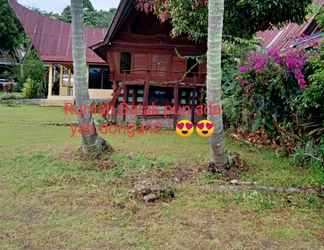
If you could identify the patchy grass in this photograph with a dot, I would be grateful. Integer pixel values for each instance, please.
(269, 169)
(50, 199)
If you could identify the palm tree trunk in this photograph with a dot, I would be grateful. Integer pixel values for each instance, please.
(214, 79)
(91, 142)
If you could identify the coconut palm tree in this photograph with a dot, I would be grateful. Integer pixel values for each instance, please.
(91, 142)
(214, 79)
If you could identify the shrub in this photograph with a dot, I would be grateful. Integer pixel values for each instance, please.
(234, 50)
(311, 103)
(30, 89)
(282, 94)
(10, 96)
(32, 68)
(265, 93)
(310, 153)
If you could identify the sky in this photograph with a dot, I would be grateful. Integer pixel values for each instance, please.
(59, 5)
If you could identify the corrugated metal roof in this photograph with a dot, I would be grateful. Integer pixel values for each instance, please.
(288, 35)
(52, 38)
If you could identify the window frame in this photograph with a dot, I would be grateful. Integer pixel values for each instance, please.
(122, 69)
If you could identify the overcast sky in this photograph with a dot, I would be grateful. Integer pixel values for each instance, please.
(59, 5)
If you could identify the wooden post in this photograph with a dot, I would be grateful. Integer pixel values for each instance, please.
(70, 83)
(61, 80)
(50, 81)
(176, 104)
(176, 98)
(125, 96)
(146, 96)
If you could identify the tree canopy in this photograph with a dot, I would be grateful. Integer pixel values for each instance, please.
(243, 18)
(10, 29)
(92, 17)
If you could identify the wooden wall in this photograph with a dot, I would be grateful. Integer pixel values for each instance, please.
(153, 54)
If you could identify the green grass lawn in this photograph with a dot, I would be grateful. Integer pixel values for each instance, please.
(52, 200)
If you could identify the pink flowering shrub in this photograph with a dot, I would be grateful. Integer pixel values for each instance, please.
(270, 82)
(293, 62)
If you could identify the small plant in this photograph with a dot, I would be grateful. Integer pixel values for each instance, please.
(10, 96)
(209, 178)
(310, 154)
(30, 89)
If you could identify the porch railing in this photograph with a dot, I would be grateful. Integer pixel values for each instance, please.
(161, 76)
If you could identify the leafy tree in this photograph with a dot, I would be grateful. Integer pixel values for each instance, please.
(11, 35)
(92, 17)
(34, 69)
(320, 15)
(87, 8)
(103, 18)
(91, 142)
(66, 15)
(242, 18)
(88, 5)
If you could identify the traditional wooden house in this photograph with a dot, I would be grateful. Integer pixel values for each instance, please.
(52, 41)
(147, 65)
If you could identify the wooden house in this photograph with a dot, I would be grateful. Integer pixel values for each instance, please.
(150, 66)
(52, 41)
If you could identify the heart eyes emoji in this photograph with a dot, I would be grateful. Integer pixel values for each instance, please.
(184, 128)
(204, 128)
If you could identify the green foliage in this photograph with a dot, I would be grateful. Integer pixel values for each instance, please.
(311, 112)
(30, 89)
(186, 20)
(209, 178)
(32, 69)
(241, 18)
(92, 17)
(245, 18)
(103, 18)
(234, 50)
(9, 97)
(256, 200)
(266, 96)
(320, 17)
(11, 34)
(309, 153)
(311, 102)
(269, 98)
(317, 11)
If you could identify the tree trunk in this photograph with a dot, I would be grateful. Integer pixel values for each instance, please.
(91, 142)
(214, 79)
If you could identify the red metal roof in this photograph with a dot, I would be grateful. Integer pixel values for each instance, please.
(285, 37)
(52, 38)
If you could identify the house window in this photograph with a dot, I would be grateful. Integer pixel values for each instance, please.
(161, 96)
(125, 62)
(135, 94)
(191, 96)
(192, 67)
(99, 78)
(188, 96)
